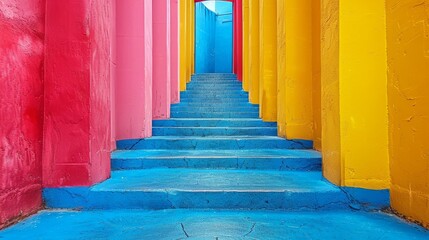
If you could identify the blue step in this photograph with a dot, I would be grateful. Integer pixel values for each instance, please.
(214, 131)
(213, 94)
(214, 224)
(214, 114)
(203, 189)
(215, 104)
(220, 143)
(214, 109)
(258, 159)
(199, 122)
(216, 100)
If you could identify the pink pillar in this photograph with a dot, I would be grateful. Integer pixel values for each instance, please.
(77, 105)
(134, 69)
(174, 46)
(238, 38)
(161, 88)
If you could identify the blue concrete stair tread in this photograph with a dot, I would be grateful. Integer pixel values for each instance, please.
(194, 180)
(209, 224)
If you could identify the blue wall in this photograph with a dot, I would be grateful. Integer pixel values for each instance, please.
(213, 38)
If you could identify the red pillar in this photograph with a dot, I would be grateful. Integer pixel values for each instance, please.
(77, 120)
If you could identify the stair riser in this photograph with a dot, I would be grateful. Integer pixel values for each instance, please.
(216, 94)
(216, 104)
(214, 109)
(280, 164)
(173, 199)
(211, 123)
(212, 97)
(165, 131)
(215, 100)
(214, 115)
(205, 144)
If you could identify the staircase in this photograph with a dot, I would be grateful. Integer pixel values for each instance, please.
(216, 171)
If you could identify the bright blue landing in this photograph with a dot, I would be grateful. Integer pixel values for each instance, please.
(212, 225)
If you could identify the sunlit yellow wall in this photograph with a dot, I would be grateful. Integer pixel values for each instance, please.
(183, 45)
(254, 51)
(268, 60)
(317, 117)
(408, 92)
(354, 100)
(295, 47)
(246, 45)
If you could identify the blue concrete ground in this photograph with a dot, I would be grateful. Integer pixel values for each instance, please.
(197, 224)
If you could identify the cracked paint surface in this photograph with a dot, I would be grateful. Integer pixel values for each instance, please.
(209, 224)
(21, 107)
(408, 59)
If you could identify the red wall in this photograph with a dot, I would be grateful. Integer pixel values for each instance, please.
(21, 101)
(77, 122)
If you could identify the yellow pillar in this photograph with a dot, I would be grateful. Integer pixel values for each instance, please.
(295, 80)
(268, 60)
(189, 39)
(183, 46)
(408, 95)
(254, 51)
(354, 101)
(316, 61)
(246, 48)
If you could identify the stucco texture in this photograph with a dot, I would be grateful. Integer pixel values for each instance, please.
(21, 102)
(408, 77)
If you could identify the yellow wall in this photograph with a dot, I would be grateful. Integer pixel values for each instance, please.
(183, 46)
(294, 56)
(316, 65)
(354, 86)
(268, 60)
(254, 51)
(246, 45)
(408, 92)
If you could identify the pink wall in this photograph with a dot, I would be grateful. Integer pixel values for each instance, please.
(134, 69)
(161, 59)
(21, 107)
(238, 38)
(77, 139)
(174, 46)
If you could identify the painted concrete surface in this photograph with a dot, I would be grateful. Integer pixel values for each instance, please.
(408, 99)
(22, 25)
(282, 160)
(214, 37)
(215, 189)
(77, 107)
(185, 224)
(134, 69)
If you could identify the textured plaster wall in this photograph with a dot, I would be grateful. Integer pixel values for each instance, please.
(330, 87)
(224, 40)
(175, 51)
(268, 60)
(316, 69)
(21, 107)
(205, 34)
(354, 94)
(295, 69)
(161, 57)
(133, 101)
(77, 119)
(408, 78)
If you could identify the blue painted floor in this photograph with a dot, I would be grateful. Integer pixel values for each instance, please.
(215, 171)
(197, 224)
